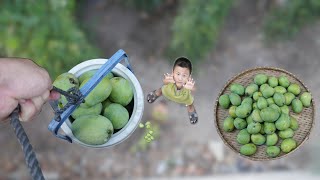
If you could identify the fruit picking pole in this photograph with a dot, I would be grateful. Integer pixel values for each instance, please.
(29, 155)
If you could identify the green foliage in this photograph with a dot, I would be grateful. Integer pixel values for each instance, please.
(145, 5)
(284, 22)
(45, 32)
(196, 28)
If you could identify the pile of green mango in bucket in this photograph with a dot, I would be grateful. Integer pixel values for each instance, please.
(261, 113)
(106, 109)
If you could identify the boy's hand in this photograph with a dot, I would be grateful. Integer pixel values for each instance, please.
(168, 78)
(190, 84)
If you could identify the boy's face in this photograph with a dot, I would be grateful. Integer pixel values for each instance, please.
(180, 75)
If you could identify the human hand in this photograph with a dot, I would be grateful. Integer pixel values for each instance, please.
(190, 84)
(25, 83)
(168, 78)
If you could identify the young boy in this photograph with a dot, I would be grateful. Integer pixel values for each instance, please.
(178, 86)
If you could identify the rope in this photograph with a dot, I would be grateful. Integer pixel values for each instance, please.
(29, 155)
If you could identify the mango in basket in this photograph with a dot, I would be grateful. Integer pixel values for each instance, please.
(260, 79)
(258, 139)
(288, 145)
(122, 92)
(100, 93)
(237, 89)
(228, 124)
(89, 74)
(305, 98)
(251, 89)
(81, 111)
(235, 99)
(284, 81)
(294, 125)
(92, 129)
(294, 89)
(297, 106)
(272, 139)
(248, 149)
(117, 114)
(273, 151)
(273, 81)
(283, 122)
(243, 137)
(288, 133)
(269, 128)
(65, 81)
(224, 101)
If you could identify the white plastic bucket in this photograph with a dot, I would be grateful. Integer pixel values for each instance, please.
(125, 132)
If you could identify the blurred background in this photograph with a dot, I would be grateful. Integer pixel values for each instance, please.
(221, 37)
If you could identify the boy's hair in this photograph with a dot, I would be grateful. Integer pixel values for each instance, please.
(183, 62)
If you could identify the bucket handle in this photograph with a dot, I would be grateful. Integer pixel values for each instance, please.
(60, 117)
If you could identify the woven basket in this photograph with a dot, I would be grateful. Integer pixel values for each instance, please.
(305, 118)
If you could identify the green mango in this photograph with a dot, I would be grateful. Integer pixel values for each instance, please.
(263, 86)
(273, 151)
(82, 111)
(269, 114)
(90, 73)
(260, 79)
(289, 97)
(251, 89)
(283, 122)
(297, 106)
(256, 115)
(285, 109)
(248, 149)
(224, 101)
(284, 81)
(249, 119)
(280, 89)
(267, 92)
(92, 129)
(305, 98)
(243, 111)
(288, 133)
(256, 96)
(294, 89)
(237, 89)
(279, 99)
(254, 128)
(65, 81)
(258, 139)
(270, 101)
(228, 125)
(118, 115)
(262, 103)
(272, 139)
(269, 128)
(232, 111)
(243, 137)
(288, 145)
(240, 123)
(247, 100)
(273, 81)
(122, 92)
(294, 125)
(100, 93)
(275, 107)
(235, 99)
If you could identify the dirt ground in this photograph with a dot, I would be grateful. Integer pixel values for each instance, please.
(144, 38)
